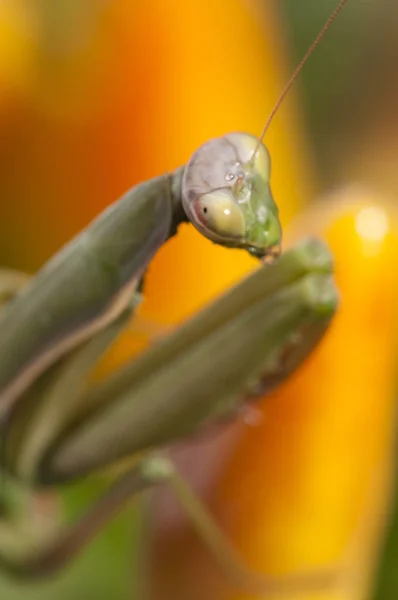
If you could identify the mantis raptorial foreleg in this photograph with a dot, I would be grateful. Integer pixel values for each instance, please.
(285, 308)
(290, 305)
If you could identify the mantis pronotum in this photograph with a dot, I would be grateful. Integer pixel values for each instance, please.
(55, 430)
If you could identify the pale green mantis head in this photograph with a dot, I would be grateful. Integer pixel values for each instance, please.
(226, 195)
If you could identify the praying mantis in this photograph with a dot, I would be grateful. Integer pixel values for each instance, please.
(54, 328)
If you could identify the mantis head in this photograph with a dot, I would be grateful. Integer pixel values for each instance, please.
(225, 187)
(226, 194)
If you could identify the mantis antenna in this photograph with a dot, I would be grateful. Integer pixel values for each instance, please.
(298, 69)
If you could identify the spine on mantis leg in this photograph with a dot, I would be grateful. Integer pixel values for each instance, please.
(86, 285)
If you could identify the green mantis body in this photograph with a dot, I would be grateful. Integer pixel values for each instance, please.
(258, 332)
(52, 332)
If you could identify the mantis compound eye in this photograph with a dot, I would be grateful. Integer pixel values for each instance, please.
(218, 212)
(226, 194)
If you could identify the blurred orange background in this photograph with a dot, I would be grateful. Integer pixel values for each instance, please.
(96, 96)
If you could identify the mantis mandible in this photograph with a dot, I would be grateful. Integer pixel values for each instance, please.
(56, 326)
